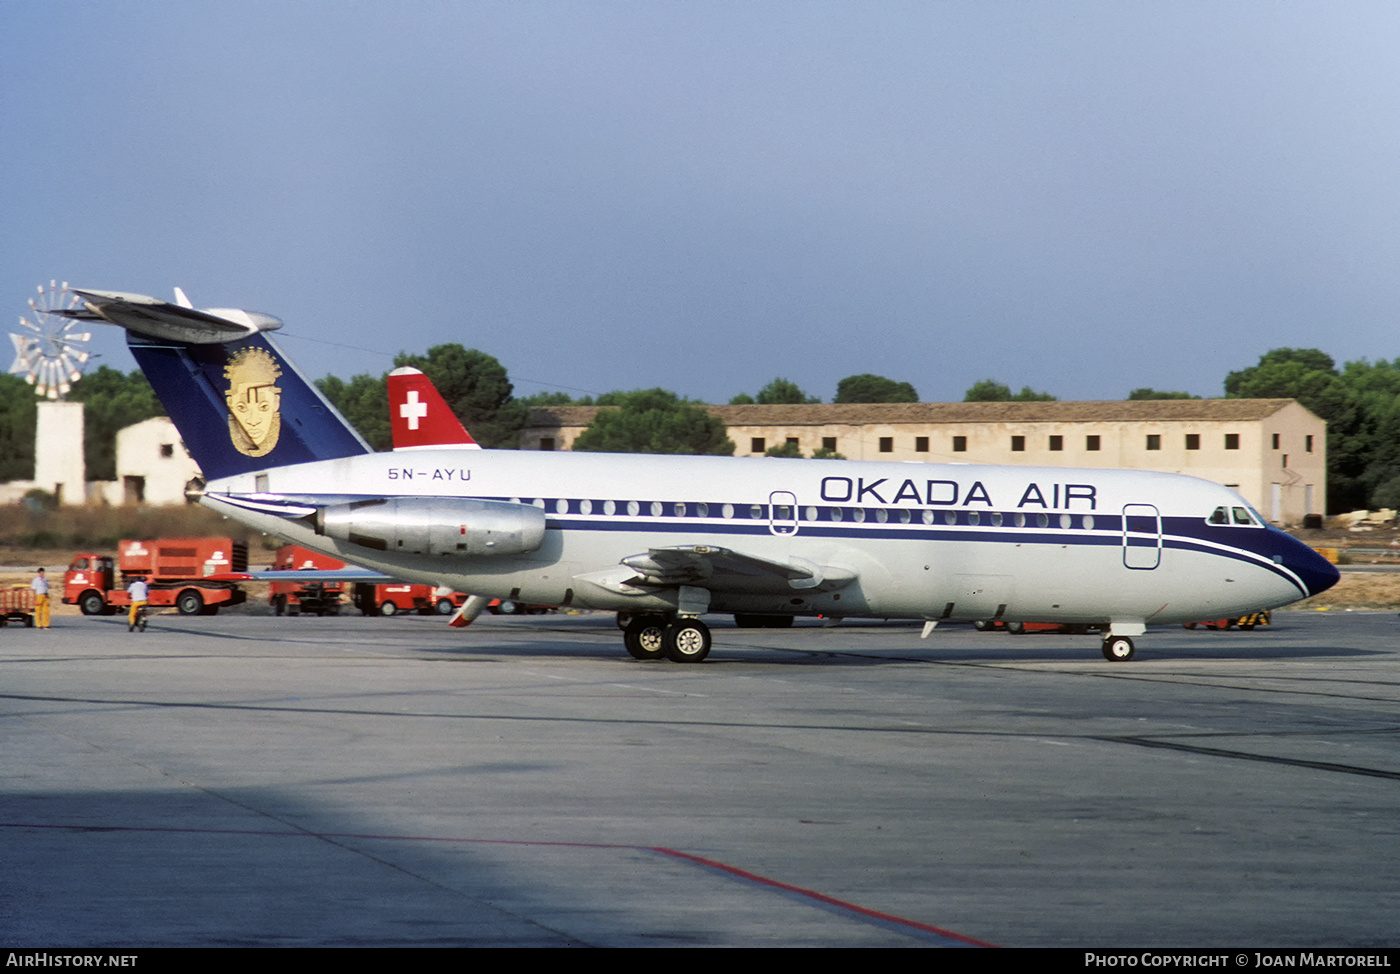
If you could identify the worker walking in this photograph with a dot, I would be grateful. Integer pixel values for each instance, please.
(40, 585)
(140, 594)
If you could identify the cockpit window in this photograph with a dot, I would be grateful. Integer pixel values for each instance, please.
(1238, 516)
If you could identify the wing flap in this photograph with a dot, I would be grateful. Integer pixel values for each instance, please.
(723, 570)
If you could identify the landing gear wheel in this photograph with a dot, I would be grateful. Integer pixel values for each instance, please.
(645, 637)
(1118, 649)
(687, 641)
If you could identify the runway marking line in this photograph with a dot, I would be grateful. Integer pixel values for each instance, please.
(923, 931)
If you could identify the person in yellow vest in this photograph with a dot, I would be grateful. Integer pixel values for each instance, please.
(40, 585)
(140, 594)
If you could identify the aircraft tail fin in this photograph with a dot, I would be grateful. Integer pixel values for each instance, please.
(419, 416)
(238, 402)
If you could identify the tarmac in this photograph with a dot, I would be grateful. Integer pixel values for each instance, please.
(244, 779)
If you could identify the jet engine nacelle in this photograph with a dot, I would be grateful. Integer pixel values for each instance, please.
(436, 526)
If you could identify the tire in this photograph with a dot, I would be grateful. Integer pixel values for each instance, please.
(444, 607)
(1017, 628)
(190, 603)
(92, 603)
(981, 625)
(1118, 649)
(279, 605)
(387, 609)
(510, 608)
(645, 637)
(687, 641)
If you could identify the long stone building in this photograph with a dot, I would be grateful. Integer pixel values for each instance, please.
(1273, 451)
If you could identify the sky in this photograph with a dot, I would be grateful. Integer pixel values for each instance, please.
(1081, 197)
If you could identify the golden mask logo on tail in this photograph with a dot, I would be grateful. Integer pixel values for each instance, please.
(254, 402)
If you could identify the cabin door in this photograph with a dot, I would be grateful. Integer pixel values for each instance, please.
(1142, 536)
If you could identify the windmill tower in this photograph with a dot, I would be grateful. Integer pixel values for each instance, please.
(50, 354)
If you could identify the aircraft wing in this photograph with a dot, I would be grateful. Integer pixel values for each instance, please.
(349, 573)
(718, 570)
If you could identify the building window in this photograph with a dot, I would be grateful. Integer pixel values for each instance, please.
(1232, 441)
(757, 445)
(829, 443)
(1275, 441)
(1018, 444)
(921, 444)
(1057, 443)
(546, 443)
(1309, 444)
(1154, 441)
(1193, 441)
(1091, 443)
(960, 444)
(1285, 461)
(167, 449)
(887, 444)
(792, 441)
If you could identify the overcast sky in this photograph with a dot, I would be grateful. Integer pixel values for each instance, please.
(1082, 197)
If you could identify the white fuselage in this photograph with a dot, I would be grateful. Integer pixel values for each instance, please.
(907, 540)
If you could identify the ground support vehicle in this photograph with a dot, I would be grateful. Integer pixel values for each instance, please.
(312, 597)
(391, 598)
(17, 605)
(175, 569)
(1249, 620)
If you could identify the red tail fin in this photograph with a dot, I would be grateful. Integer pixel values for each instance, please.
(419, 416)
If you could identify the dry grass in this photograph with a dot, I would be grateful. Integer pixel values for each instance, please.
(52, 537)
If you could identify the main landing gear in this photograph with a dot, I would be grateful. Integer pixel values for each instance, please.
(679, 640)
(1117, 649)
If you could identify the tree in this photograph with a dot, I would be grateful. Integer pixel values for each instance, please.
(873, 388)
(1310, 376)
(364, 402)
(1141, 395)
(477, 390)
(112, 400)
(787, 449)
(989, 390)
(654, 421)
(17, 420)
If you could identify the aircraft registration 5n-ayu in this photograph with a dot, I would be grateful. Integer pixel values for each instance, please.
(666, 539)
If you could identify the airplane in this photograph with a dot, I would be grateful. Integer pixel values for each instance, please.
(667, 539)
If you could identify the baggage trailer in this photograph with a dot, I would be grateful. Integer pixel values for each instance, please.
(17, 605)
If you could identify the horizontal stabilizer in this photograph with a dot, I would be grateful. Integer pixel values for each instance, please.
(154, 318)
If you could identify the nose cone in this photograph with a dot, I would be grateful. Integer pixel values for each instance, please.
(1316, 572)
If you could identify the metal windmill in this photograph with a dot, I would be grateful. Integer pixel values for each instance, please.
(50, 352)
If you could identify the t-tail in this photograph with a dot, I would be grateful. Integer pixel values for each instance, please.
(237, 401)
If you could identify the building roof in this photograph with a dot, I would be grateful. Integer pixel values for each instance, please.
(905, 413)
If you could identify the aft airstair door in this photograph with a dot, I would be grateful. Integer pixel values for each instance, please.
(1142, 537)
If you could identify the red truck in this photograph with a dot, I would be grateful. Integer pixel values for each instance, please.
(394, 597)
(176, 570)
(293, 598)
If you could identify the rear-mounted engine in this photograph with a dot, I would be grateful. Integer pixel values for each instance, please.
(435, 526)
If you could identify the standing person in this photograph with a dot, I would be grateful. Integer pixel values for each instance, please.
(40, 585)
(140, 594)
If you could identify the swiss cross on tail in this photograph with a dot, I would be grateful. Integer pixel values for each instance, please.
(419, 416)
